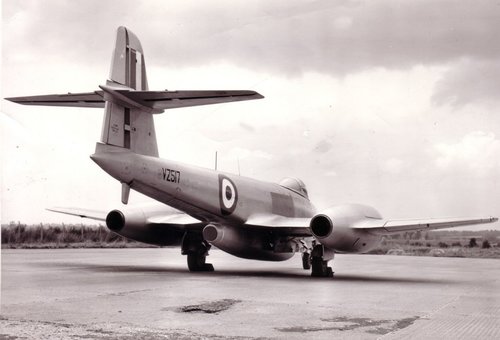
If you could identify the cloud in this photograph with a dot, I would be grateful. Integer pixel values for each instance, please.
(356, 95)
(287, 38)
(469, 81)
(478, 151)
(393, 166)
(241, 153)
(339, 38)
(330, 173)
(290, 37)
(323, 146)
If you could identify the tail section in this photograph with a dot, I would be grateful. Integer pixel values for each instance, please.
(123, 125)
(129, 105)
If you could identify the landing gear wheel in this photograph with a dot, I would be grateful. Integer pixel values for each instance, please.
(196, 263)
(320, 268)
(306, 260)
(319, 264)
(196, 250)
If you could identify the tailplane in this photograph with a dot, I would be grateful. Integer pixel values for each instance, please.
(128, 103)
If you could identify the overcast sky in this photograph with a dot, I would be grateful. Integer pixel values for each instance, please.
(389, 103)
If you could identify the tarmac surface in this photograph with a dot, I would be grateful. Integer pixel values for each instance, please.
(149, 294)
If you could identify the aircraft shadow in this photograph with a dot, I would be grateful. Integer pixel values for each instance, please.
(298, 275)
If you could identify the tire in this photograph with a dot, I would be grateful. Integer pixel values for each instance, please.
(195, 262)
(306, 261)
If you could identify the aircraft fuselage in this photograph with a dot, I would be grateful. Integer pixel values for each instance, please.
(205, 194)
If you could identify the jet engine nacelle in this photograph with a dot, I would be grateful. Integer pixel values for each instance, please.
(133, 224)
(248, 244)
(333, 228)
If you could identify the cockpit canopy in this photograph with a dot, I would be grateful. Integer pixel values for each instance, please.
(295, 184)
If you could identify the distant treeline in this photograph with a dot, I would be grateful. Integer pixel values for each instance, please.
(449, 235)
(18, 235)
(450, 243)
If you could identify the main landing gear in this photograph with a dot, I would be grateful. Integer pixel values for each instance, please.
(196, 250)
(319, 261)
(306, 260)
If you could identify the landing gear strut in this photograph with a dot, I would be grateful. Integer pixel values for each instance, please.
(319, 261)
(196, 249)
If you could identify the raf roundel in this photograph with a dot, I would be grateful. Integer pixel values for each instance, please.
(228, 195)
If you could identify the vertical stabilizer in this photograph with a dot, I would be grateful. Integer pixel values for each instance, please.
(127, 66)
(126, 127)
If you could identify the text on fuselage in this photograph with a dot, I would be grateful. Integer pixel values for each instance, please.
(170, 175)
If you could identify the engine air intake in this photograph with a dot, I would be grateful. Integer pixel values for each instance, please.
(321, 226)
(115, 220)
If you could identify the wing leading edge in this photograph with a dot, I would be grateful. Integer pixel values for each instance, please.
(168, 218)
(293, 226)
(84, 213)
(397, 226)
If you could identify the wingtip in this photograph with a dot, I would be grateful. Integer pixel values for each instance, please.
(257, 95)
(11, 99)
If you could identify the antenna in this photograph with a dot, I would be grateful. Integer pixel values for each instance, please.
(215, 160)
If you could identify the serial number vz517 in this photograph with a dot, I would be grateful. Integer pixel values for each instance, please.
(170, 175)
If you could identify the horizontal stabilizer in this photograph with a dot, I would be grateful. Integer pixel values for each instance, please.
(156, 100)
(174, 99)
(89, 99)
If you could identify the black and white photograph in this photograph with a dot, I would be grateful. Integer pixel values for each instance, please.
(250, 169)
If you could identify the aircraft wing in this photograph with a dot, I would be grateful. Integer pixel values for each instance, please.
(85, 213)
(287, 226)
(159, 100)
(165, 218)
(397, 226)
(293, 226)
(176, 220)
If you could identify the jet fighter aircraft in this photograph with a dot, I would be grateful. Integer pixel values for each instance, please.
(200, 207)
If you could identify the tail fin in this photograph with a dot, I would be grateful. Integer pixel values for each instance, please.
(126, 127)
(127, 66)
(129, 105)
